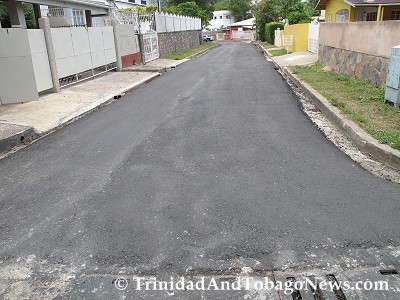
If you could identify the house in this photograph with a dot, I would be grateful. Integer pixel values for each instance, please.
(244, 25)
(121, 4)
(242, 30)
(221, 19)
(60, 13)
(340, 11)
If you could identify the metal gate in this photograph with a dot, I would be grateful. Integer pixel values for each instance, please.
(150, 46)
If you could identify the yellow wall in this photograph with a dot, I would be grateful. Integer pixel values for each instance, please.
(387, 12)
(333, 6)
(300, 36)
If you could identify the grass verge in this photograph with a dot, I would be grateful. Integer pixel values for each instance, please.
(358, 100)
(278, 52)
(186, 53)
(266, 45)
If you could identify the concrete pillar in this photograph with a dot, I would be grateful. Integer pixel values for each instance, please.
(44, 24)
(117, 45)
(16, 13)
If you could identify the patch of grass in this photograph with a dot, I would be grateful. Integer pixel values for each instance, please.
(266, 45)
(358, 100)
(278, 52)
(186, 53)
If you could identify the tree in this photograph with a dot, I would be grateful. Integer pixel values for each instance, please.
(28, 12)
(240, 9)
(191, 9)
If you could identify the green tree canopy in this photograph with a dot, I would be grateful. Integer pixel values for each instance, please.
(240, 9)
(191, 9)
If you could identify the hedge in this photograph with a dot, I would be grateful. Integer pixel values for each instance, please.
(270, 31)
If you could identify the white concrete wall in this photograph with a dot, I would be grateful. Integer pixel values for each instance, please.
(221, 19)
(40, 59)
(171, 23)
(79, 49)
(17, 78)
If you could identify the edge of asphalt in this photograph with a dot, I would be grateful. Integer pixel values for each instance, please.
(26, 134)
(364, 141)
(29, 134)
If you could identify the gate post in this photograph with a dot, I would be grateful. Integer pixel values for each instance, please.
(44, 24)
(141, 47)
(117, 45)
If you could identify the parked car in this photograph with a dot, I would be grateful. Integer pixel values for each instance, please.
(207, 38)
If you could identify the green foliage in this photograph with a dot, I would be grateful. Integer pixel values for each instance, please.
(240, 9)
(278, 52)
(297, 17)
(261, 12)
(358, 100)
(191, 9)
(221, 5)
(295, 11)
(28, 12)
(205, 5)
(143, 9)
(270, 31)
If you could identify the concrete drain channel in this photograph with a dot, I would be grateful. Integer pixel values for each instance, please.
(372, 283)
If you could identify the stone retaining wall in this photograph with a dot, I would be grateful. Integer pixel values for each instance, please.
(170, 42)
(357, 65)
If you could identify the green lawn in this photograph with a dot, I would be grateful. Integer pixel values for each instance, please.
(266, 45)
(189, 52)
(358, 100)
(278, 52)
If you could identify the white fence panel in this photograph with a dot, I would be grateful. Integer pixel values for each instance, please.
(16, 67)
(170, 23)
(242, 35)
(313, 34)
(79, 51)
(40, 59)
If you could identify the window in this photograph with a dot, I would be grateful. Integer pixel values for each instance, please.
(143, 2)
(78, 17)
(228, 16)
(342, 16)
(371, 16)
(395, 15)
(330, 18)
(220, 17)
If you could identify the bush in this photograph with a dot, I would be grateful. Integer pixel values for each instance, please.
(270, 31)
(299, 17)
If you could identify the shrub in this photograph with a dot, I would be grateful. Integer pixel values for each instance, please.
(270, 31)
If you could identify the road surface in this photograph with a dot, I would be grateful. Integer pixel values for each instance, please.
(211, 166)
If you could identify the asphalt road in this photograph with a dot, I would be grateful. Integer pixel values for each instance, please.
(210, 165)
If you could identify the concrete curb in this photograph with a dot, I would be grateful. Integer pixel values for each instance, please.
(31, 134)
(203, 52)
(353, 131)
(25, 135)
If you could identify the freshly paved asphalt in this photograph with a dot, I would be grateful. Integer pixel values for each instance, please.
(210, 164)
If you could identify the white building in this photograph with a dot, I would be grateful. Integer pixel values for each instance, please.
(221, 19)
(121, 4)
